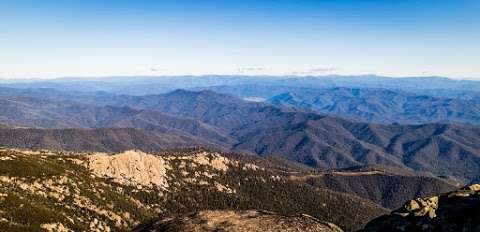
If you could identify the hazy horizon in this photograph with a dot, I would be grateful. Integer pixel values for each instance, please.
(224, 75)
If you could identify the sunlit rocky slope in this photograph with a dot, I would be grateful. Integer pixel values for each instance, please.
(62, 191)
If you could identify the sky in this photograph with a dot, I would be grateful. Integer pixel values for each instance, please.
(45, 38)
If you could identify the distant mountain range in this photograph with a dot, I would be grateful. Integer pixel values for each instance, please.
(382, 105)
(230, 123)
(375, 105)
(143, 85)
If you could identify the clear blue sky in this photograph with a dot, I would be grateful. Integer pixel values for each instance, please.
(98, 38)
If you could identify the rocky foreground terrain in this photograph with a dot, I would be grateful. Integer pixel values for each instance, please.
(201, 190)
(239, 221)
(61, 191)
(456, 211)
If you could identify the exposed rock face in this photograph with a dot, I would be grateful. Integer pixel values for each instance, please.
(135, 167)
(454, 211)
(238, 221)
(130, 167)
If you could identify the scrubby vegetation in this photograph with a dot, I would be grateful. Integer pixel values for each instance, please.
(57, 191)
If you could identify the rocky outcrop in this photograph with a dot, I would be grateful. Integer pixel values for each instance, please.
(238, 221)
(130, 167)
(137, 168)
(70, 191)
(454, 211)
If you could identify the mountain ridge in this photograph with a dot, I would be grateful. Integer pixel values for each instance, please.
(320, 141)
(382, 105)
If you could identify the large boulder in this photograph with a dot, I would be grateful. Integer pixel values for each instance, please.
(455, 211)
